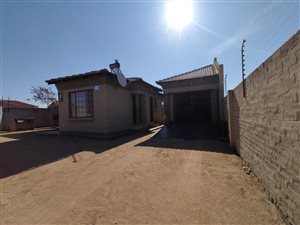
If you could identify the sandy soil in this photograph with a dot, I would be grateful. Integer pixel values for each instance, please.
(129, 180)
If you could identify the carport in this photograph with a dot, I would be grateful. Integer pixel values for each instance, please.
(195, 96)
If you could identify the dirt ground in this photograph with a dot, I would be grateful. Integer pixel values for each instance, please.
(129, 180)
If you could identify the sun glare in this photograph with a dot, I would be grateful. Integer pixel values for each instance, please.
(179, 13)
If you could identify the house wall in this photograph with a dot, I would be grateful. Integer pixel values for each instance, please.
(159, 116)
(143, 91)
(146, 109)
(157, 110)
(82, 124)
(112, 109)
(118, 107)
(220, 69)
(143, 106)
(42, 117)
(95, 124)
(265, 126)
(170, 108)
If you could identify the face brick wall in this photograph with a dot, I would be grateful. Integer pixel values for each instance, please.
(264, 126)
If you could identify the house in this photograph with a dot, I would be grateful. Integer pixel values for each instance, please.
(97, 102)
(195, 96)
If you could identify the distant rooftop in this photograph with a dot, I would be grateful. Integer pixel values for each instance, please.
(15, 104)
(205, 71)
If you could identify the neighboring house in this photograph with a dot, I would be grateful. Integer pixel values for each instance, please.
(195, 96)
(15, 104)
(96, 102)
(16, 115)
(8, 108)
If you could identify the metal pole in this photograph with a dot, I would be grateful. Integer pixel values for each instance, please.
(243, 67)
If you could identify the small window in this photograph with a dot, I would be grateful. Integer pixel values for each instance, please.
(81, 104)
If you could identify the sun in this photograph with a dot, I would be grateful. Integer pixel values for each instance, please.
(179, 13)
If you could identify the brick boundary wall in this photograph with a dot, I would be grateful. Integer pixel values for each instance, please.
(264, 126)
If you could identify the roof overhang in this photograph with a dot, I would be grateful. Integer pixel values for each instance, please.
(195, 82)
(79, 76)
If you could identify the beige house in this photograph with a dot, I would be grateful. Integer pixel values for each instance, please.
(195, 96)
(96, 102)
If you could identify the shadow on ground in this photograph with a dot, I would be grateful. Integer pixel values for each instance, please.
(23, 151)
(189, 131)
(194, 145)
(189, 136)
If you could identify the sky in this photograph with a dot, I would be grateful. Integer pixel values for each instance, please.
(41, 40)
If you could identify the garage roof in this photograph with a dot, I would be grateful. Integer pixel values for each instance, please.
(197, 73)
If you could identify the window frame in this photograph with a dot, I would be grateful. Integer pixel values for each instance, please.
(84, 100)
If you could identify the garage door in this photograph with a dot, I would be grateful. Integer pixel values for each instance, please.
(192, 106)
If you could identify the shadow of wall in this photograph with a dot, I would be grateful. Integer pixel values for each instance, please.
(190, 145)
(25, 151)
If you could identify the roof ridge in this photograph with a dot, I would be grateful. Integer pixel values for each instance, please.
(182, 74)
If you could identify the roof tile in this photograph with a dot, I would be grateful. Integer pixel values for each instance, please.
(197, 73)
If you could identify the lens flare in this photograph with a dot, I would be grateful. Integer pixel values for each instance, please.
(179, 13)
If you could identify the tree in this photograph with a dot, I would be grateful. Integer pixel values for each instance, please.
(44, 95)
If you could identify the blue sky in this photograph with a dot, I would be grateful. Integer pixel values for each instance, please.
(46, 39)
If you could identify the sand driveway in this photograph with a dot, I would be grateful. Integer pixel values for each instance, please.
(129, 180)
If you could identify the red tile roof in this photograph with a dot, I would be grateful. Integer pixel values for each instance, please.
(15, 104)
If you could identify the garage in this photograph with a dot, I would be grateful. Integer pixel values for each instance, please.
(192, 106)
(195, 96)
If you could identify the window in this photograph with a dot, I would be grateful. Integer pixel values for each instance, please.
(81, 104)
